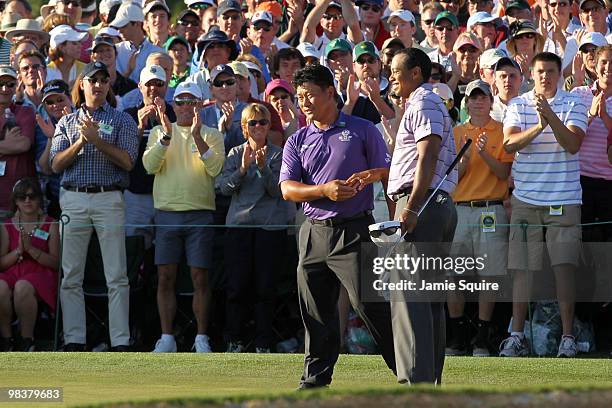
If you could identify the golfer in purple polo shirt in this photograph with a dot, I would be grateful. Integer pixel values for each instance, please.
(329, 167)
(424, 151)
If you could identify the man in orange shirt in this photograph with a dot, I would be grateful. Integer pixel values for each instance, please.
(483, 185)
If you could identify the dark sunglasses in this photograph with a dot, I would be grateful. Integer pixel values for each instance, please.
(259, 27)
(231, 17)
(429, 22)
(156, 83)
(444, 27)
(10, 84)
(366, 60)
(72, 3)
(332, 16)
(50, 101)
(260, 122)
(561, 4)
(103, 81)
(588, 50)
(199, 6)
(367, 7)
(217, 83)
(22, 197)
(185, 102)
(189, 23)
(33, 67)
(386, 231)
(529, 36)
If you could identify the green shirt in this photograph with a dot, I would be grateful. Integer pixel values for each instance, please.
(177, 79)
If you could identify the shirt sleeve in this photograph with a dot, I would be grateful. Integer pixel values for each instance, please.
(376, 149)
(214, 162)
(60, 139)
(577, 115)
(128, 140)
(427, 119)
(291, 169)
(512, 118)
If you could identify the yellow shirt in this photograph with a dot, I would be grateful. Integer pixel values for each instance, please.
(184, 179)
(479, 182)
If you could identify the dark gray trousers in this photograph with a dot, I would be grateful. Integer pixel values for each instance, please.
(419, 327)
(330, 257)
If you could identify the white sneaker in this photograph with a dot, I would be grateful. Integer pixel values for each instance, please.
(513, 346)
(262, 350)
(235, 347)
(568, 347)
(201, 345)
(165, 346)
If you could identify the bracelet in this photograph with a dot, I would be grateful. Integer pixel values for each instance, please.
(411, 211)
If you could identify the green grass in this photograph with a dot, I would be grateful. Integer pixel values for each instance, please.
(101, 378)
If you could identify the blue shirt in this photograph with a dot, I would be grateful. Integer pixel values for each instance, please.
(92, 167)
(315, 156)
(125, 49)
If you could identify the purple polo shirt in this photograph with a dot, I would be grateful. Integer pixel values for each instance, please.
(314, 156)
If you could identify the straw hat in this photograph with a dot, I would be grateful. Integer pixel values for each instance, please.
(26, 26)
(9, 21)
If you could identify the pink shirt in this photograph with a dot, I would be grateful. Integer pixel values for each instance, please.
(594, 149)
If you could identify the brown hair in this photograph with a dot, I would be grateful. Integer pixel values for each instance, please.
(601, 50)
(21, 187)
(434, 6)
(78, 96)
(53, 20)
(31, 54)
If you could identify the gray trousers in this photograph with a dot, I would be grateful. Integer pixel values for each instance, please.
(331, 256)
(419, 327)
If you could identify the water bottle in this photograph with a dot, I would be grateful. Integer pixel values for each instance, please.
(9, 122)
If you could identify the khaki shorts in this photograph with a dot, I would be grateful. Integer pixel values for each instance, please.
(470, 240)
(563, 236)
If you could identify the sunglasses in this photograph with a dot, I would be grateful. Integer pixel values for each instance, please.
(230, 17)
(594, 9)
(442, 28)
(103, 81)
(387, 231)
(428, 22)
(10, 84)
(529, 36)
(217, 83)
(189, 23)
(70, 3)
(22, 197)
(332, 16)
(33, 67)
(199, 6)
(367, 7)
(260, 122)
(588, 50)
(366, 60)
(50, 101)
(185, 102)
(259, 27)
(560, 4)
(156, 83)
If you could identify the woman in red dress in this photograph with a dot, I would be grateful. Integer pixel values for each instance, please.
(29, 259)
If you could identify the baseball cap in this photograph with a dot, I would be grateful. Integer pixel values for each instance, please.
(481, 17)
(334, 4)
(239, 68)
(596, 38)
(251, 66)
(596, 1)
(106, 5)
(101, 41)
(63, 33)
(467, 39)
(55, 87)
(190, 3)
(478, 84)
(188, 87)
(109, 32)
(443, 91)
(261, 16)
(507, 61)
(404, 15)
(517, 4)
(392, 41)
(92, 68)
(519, 27)
(308, 50)
(152, 72)
(148, 7)
(187, 12)
(271, 7)
(448, 16)
(365, 47)
(221, 69)
(338, 44)
(127, 13)
(177, 38)
(229, 5)
(278, 83)
(7, 70)
(489, 58)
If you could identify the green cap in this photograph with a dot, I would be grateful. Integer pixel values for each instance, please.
(365, 47)
(337, 44)
(449, 16)
(517, 4)
(176, 38)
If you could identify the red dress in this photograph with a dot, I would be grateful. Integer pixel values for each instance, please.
(42, 278)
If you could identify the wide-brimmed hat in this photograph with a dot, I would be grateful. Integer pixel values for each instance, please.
(9, 20)
(520, 27)
(215, 35)
(26, 26)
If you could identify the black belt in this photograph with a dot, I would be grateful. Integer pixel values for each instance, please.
(406, 192)
(484, 203)
(335, 221)
(92, 189)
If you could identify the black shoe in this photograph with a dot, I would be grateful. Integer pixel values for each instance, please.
(27, 344)
(309, 386)
(6, 344)
(75, 347)
(121, 349)
(458, 342)
(481, 344)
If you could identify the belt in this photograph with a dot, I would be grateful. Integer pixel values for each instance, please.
(406, 192)
(93, 189)
(485, 203)
(335, 221)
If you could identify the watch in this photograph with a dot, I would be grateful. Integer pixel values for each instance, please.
(165, 136)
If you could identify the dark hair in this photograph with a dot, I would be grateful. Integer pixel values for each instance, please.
(441, 70)
(547, 57)
(78, 96)
(112, 13)
(317, 74)
(24, 3)
(287, 54)
(21, 187)
(413, 57)
(32, 54)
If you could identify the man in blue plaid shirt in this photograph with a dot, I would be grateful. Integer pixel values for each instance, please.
(95, 148)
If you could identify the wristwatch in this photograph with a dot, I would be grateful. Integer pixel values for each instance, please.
(165, 136)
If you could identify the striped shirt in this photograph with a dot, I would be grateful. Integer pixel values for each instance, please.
(425, 115)
(544, 172)
(5, 51)
(92, 167)
(593, 151)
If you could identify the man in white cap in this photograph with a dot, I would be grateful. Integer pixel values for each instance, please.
(486, 64)
(103, 11)
(157, 21)
(402, 25)
(332, 17)
(484, 26)
(133, 51)
(583, 66)
(185, 157)
(309, 52)
(103, 50)
(508, 80)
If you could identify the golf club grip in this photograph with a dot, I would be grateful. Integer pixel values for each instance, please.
(459, 156)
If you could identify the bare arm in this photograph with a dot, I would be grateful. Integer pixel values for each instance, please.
(501, 170)
(428, 150)
(515, 140)
(569, 137)
(49, 259)
(335, 190)
(353, 28)
(309, 32)
(43, 161)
